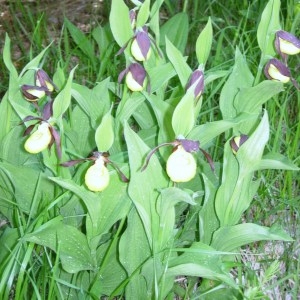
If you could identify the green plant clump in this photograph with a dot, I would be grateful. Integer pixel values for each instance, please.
(137, 186)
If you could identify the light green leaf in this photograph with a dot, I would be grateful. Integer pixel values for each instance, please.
(143, 14)
(207, 132)
(200, 264)
(204, 42)
(69, 243)
(7, 58)
(179, 63)
(232, 237)
(63, 99)
(276, 161)
(267, 27)
(104, 135)
(176, 31)
(120, 22)
(240, 78)
(183, 119)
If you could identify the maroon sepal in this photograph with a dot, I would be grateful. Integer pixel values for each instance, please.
(55, 138)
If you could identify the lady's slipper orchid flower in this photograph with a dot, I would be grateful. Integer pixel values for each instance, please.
(286, 44)
(39, 140)
(181, 165)
(141, 45)
(277, 70)
(136, 77)
(97, 176)
(237, 141)
(43, 80)
(196, 82)
(45, 135)
(33, 93)
(132, 17)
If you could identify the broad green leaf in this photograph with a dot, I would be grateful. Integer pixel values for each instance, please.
(204, 42)
(267, 27)
(183, 119)
(69, 243)
(143, 186)
(232, 237)
(251, 99)
(81, 41)
(179, 63)
(169, 198)
(207, 132)
(104, 135)
(95, 102)
(200, 264)
(276, 161)
(134, 250)
(143, 14)
(120, 22)
(108, 259)
(176, 31)
(250, 153)
(63, 99)
(208, 220)
(240, 78)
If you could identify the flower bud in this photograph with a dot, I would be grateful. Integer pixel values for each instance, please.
(237, 142)
(97, 176)
(39, 140)
(136, 77)
(277, 70)
(141, 46)
(33, 93)
(286, 43)
(196, 82)
(181, 165)
(43, 80)
(132, 17)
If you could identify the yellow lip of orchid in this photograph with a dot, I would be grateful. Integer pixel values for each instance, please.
(97, 176)
(39, 140)
(181, 165)
(277, 75)
(137, 53)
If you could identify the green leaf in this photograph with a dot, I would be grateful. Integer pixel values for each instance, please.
(232, 237)
(143, 186)
(7, 58)
(267, 27)
(183, 119)
(63, 99)
(69, 243)
(251, 99)
(95, 102)
(179, 63)
(120, 22)
(176, 30)
(204, 42)
(240, 78)
(204, 264)
(276, 161)
(143, 14)
(134, 250)
(104, 135)
(81, 41)
(207, 132)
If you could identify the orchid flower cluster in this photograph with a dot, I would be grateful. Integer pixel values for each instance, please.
(285, 44)
(46, 134)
